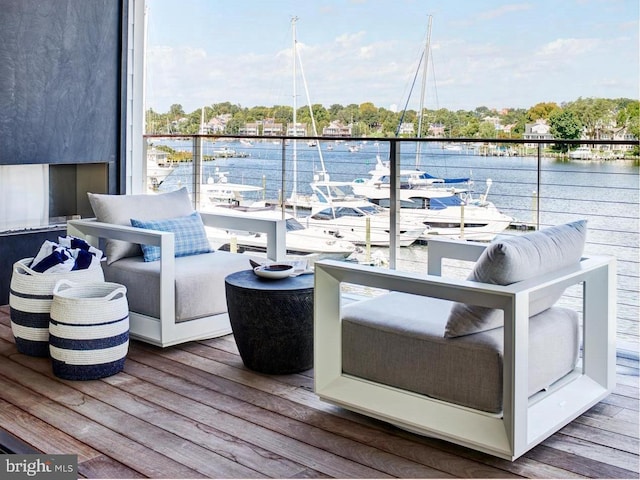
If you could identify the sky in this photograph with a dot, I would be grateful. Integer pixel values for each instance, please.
(483, 53)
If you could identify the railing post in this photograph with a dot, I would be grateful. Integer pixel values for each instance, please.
(394, 201)
(197, 171)
(538, 184)
(145, 164)
(283, 177)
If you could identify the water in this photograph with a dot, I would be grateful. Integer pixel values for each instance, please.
(607, 194)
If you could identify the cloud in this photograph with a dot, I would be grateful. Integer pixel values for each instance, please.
(564, 47)
(347, 40)
(504, 10)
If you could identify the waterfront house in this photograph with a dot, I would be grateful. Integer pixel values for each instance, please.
(250, 129)
(406, 128)
(436, 129)
(217, 124)
(192, 411)
(271, 127)
(539, 130)
(297, 130)
(336, 129)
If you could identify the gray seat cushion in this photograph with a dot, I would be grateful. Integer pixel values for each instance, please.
(404, 348)
(200, 289)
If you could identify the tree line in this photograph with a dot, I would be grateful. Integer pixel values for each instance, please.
(595, 117)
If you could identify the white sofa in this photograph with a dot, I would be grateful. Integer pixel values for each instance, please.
(174, 299)
(490, 366)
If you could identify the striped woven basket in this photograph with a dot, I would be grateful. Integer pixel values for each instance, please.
(30, 297)
(88, 330)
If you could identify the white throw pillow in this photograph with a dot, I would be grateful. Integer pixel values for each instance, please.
(509, 260)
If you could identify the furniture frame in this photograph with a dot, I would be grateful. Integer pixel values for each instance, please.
(164, 331)
(524, 422)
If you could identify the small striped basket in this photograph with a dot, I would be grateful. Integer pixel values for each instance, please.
(88, 330)
(30, 297)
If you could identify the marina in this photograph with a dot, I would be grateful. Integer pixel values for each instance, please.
(444, 205)
(532, 191)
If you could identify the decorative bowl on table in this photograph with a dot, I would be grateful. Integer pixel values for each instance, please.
(273, 271)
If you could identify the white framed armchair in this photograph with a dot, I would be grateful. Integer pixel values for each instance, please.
(174, 299)
(500, 387)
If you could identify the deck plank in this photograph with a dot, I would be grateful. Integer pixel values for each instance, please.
(268, 411)
(192, 424)
(59, 414)
(33, 431)
(281, 404)
(195, 411)
(602, 454)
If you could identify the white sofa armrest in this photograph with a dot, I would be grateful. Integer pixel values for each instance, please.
(440, 249)
(275, 229)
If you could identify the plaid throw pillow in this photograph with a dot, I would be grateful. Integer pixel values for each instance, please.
(190, 235)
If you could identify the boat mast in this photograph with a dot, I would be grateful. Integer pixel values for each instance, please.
(422, 91)
(323, 175)
(323, 170)
(294, 190)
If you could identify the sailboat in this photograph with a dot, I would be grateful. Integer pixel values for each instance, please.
(334, 209)
(446, 206)
(300, 239)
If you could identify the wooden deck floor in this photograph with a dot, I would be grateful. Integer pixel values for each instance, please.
(195, 411)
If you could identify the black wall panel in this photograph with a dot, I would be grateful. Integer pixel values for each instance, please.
(60, 77)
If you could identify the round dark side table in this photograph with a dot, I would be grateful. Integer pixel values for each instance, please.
(272, 321)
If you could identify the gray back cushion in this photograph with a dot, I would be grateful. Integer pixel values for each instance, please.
(119, 209)
(515, 259)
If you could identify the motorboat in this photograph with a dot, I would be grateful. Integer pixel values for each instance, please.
(581, 153)
(225, 197)
(219, 191)
(159, 167)
(339, 212)
(443, 205)
(300, 240)
(227, 152)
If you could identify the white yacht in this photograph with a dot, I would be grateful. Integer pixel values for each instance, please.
(219, 191)
(581, 153)
(340, 213)
(158, 167)
(225, 197)
(445, 209)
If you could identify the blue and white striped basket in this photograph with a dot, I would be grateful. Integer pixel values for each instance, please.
(30, 297)
(88, 330)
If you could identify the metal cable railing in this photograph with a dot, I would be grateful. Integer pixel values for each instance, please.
(536, 191)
